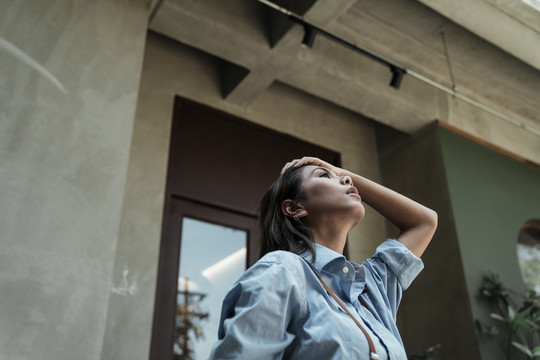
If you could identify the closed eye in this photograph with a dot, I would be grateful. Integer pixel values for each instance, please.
(324, 174)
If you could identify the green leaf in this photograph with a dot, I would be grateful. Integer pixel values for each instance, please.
(484, 330)
(534, 326)
(518, 320)
(536, 351)
(523, 348)
(492, 331)
(497, 317)
(511, 313)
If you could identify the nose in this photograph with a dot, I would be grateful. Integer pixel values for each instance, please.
(346, 180)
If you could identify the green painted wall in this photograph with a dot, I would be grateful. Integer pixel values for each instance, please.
(491, 195)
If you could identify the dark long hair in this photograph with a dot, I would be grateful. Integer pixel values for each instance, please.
(279, 231)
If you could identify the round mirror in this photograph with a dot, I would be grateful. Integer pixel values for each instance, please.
(528, 251)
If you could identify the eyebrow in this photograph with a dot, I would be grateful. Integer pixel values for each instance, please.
(323, 169)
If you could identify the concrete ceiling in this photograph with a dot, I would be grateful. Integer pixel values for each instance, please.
(512, 25)
(258, 46)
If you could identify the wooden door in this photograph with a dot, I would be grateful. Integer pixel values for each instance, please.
(219, 168)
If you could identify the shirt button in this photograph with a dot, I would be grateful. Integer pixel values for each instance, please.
(345, 269)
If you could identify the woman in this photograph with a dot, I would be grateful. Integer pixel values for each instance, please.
(303, 299)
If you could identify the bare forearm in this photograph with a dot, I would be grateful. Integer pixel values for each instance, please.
(416, 222)
(399, 209)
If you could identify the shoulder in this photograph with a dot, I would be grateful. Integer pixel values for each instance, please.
(270, 289)
(281, 257)
(279, 262)
(283, 266)
(278, 272)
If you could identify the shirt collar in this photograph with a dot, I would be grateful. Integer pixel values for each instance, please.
(328, 260)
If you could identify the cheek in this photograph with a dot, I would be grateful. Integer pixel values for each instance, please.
(319, 189)
(316, 197)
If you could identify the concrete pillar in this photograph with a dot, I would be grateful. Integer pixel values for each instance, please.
(70, 77)
(435, 310)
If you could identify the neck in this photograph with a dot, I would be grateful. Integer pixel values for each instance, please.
(332, 235)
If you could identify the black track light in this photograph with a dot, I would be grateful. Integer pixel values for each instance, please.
(397, 76)
(309, 36)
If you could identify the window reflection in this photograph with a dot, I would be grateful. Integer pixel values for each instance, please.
(212, 257)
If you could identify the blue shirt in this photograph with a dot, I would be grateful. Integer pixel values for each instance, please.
(278, 308)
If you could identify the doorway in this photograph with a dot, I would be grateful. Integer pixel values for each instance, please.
(219, 168)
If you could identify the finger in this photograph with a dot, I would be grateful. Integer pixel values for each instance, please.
(284, 168)
(308, 160)
(287, 165)
(296, 162)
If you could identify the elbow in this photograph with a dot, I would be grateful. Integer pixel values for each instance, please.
(432, 219)
(427, 231)
(430, 222)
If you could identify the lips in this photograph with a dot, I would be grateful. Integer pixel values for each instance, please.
(353, 191)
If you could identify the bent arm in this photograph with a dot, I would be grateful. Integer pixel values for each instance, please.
(416, 222)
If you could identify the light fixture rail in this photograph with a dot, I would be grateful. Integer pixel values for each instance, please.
(311, 30)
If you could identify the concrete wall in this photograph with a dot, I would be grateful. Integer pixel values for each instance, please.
(68, 89)
(492, 196)
(171, 68)
(435, 309)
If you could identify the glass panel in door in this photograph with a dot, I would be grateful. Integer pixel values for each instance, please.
(212, 257)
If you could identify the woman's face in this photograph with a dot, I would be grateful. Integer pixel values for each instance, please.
(328, 195)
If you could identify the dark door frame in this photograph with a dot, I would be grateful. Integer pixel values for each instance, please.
(222, 186)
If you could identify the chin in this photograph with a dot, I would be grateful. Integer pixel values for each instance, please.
(361, 212)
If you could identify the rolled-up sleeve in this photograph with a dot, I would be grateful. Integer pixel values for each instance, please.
(257, 313)
(402, 262)
(392, 270)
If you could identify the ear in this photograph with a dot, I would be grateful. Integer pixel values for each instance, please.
(291, 208)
